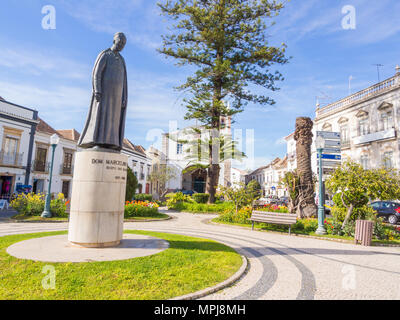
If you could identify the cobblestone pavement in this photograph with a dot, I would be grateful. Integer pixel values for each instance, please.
(281, 266)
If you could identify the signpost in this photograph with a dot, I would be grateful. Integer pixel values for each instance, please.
(329, 157)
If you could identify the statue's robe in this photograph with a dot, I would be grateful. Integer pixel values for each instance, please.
(105, 124)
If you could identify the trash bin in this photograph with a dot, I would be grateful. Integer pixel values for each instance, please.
(363, 232)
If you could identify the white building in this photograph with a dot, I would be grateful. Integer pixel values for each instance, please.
(140, 164)
(64, 157)
(17, 132)
(177, 156)
(369, 123)
(291, 152)
(238, 176)
(269, 177)
(26, 153)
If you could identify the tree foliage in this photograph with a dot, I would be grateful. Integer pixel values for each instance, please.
(225, 41)
(131, 185)
(353, 187)
(161, 174)
(240, 195)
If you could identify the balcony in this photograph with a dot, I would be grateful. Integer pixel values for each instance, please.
(376, 136)
(142, 176)
(345, 144)
(11, 159)
(65, 170)
(40, 166)
(361, 96)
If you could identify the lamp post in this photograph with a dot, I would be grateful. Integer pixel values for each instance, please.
(54, 140)
(320, 144)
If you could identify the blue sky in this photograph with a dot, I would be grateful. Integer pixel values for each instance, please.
(50, 70)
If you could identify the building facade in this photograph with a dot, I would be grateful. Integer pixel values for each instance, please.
(140, 164)
(181, 157)
(369, 123)
(26, 153)
(269, 177)
(17, 132)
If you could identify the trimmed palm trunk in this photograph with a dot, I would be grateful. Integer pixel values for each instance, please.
(303, 135)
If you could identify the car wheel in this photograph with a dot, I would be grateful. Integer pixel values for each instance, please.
(393, 219)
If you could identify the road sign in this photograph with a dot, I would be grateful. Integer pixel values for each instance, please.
(329, 135)
(330, 164)
(330, 156)
(332, 143)
(331, 150)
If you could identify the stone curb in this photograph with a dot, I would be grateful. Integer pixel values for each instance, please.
(227, 283)
(66, 221)
(208, 221)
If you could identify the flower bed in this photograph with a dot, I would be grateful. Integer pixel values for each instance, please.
(273, 208)
(140, 209)
(32, 204)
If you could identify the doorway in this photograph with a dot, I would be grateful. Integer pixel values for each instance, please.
(38, 186)
(6, 183)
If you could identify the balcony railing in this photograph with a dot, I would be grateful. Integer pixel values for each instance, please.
(40, 166)
(345, 144)
(376, 136)
(11, 159)
(66, 170)
(360, 96)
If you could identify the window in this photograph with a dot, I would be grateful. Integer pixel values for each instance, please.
(365, 161)
(179, 148)
(388, 160)
(344, 133)
(67, 165)
(65, 189)
(363, 127)
(375, 205)
(41, 158)
(386, 120)
(10, 150)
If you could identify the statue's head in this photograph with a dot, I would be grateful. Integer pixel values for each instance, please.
(119, 42)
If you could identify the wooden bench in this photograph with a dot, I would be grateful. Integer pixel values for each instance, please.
(273, 218)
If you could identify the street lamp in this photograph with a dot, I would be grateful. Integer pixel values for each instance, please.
(54, 140)
(320, 144)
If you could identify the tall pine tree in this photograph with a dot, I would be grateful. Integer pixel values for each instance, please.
(226, 42)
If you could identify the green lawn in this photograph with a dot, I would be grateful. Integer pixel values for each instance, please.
(284, 230)
(189, 265)
(21, 217)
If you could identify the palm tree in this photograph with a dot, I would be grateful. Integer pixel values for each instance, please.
(303, 135)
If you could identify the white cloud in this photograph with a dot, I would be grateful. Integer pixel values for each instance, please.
(38, 62)
(138, 19)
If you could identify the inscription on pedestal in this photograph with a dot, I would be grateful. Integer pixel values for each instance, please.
(114, 165)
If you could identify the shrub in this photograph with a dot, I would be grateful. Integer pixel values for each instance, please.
(58, 206)
(131, 185)
(231, 216)
(140, 209)
(201, 207)
(201, 197)
(143, 197)
(306, 225)
(33, 205)
(176, 198)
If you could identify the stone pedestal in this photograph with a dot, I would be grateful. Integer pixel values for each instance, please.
(98, 199)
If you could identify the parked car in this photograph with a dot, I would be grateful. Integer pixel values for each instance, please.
(283, 201)
(388, 210)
